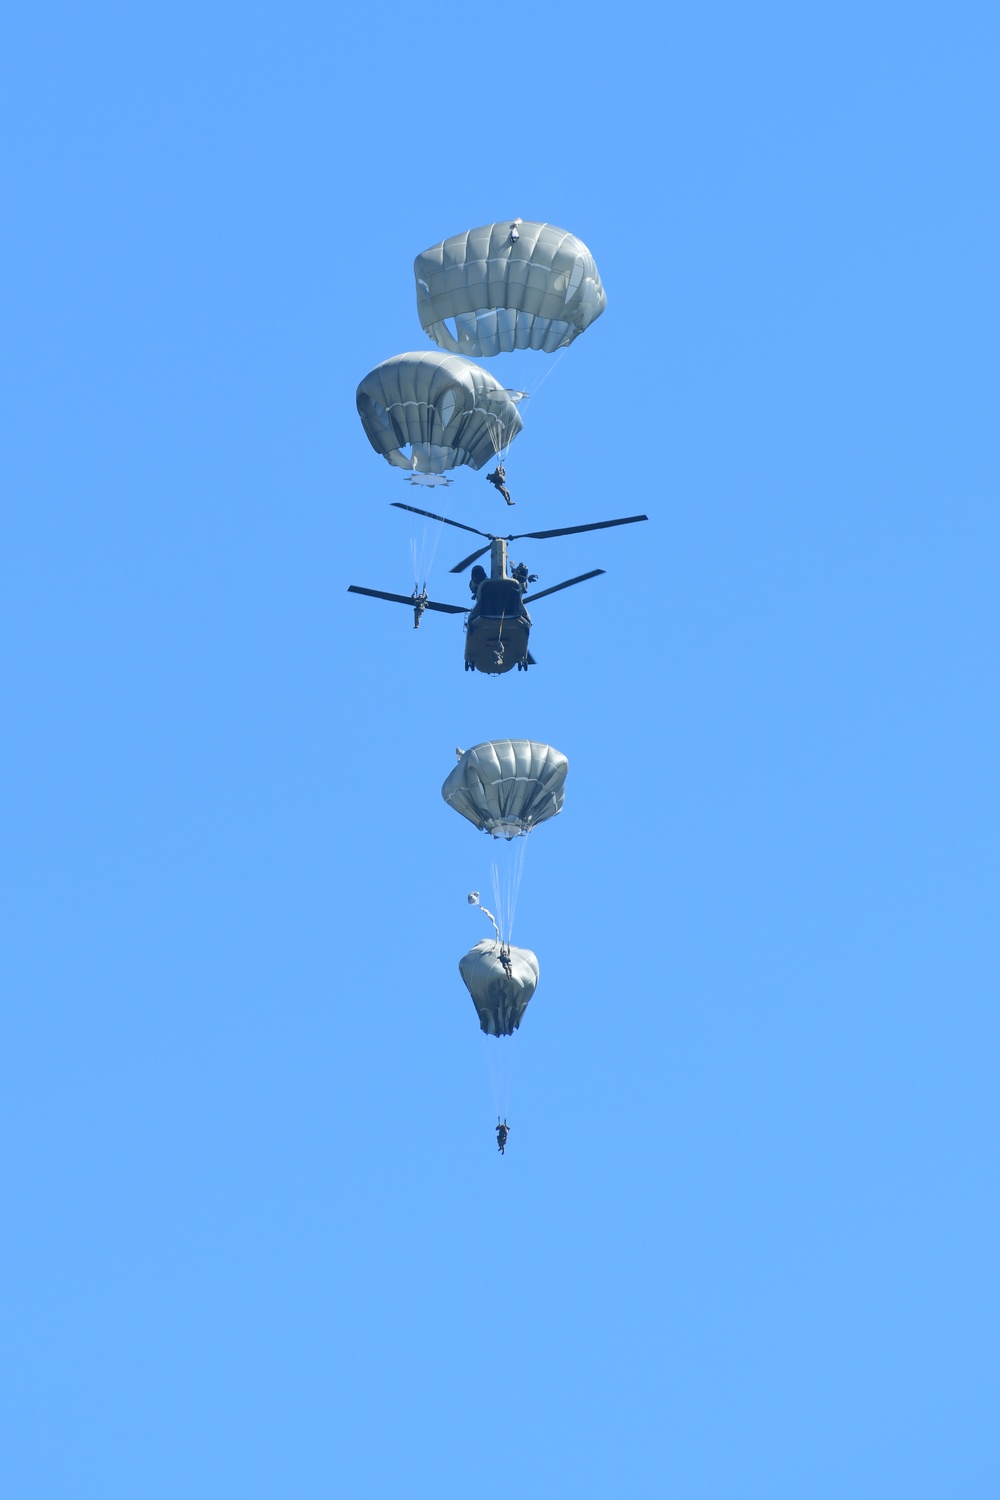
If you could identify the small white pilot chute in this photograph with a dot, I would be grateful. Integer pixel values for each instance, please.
(475, 901)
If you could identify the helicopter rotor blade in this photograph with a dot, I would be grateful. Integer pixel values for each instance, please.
(354, 588)
(445, 609)
(581, 578)
(432, 517)
(474, 557)
(540, 536)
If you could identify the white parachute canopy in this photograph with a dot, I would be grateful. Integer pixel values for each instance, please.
(446, 411)
(501, 981)
(507, 787)
(510, 285)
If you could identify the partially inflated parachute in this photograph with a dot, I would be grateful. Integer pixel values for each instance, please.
(501, 981)
(505, 286)
(445, 410)
(507, 786)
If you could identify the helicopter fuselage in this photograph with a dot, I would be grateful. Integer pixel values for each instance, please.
(497, 630)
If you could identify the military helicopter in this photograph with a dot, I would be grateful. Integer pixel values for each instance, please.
(497, 630)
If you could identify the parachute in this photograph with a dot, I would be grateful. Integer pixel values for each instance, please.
(505, 286)
(501, 981)
(507, 787)
(447, 411)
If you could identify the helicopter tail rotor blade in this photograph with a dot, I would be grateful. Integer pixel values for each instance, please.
(540, 536)
(432, 517)
(581, 578)
(466, 561)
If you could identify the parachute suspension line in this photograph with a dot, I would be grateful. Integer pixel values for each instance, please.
(521, 847)
(507, 871)
(498, 901)
(499, 1060)
(509, 903)
(495, 429)
(432, 536)
(499, 436)
(491, 1068)
(423, 554)
(501, 1056)
(551, 366)
(524, 370)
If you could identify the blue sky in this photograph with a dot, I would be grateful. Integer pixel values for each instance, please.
(259, 1241)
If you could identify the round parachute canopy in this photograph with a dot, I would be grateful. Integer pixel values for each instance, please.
(445, 410)
(501, 981)
(507, 786)
(505, 286)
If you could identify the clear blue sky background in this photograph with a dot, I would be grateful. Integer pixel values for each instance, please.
(258, 1241)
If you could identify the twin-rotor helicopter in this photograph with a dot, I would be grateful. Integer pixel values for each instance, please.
(498, 625)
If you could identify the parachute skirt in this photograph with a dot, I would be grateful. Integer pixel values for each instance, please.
(500, 998)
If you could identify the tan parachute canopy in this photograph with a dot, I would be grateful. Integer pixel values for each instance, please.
(509, 285)
(445, 410)
(501, 981)
(507, 787)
